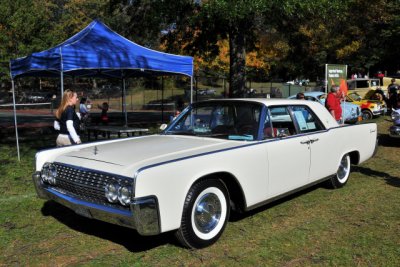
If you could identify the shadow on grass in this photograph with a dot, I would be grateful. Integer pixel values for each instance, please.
(390, 180)
(124, 236)
(387, 141)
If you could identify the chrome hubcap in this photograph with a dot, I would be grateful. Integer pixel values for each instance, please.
(343, 169)
(207, 213)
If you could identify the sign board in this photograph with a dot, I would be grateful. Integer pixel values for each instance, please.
(334, 74)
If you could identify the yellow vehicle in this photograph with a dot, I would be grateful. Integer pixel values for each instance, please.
(369, 108)
(362, 85)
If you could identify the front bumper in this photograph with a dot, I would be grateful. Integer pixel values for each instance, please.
(143, 214)
(394, 131)
(379, 112)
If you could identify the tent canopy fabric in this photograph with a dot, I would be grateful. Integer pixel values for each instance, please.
(99, 51)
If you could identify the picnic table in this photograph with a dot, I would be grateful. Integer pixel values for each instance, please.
(107, 130)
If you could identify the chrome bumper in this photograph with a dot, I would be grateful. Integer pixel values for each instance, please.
(142, 216)
(394, 131)
(379, 112)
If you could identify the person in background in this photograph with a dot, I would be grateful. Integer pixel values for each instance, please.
(332, 103)
(177, 113)
(300, 96)
(392, 95)
(82, 108)
(104, 116)
(67, 121)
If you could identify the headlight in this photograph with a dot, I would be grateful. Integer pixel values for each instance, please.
(49, 173)
(112, 193)
(116, 192)
(124, 195)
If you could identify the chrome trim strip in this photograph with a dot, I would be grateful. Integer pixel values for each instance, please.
(286, 194)
(96, 160)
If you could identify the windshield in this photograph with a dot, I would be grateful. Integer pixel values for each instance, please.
(233, 120)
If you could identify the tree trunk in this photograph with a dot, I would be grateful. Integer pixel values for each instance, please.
(237, 62)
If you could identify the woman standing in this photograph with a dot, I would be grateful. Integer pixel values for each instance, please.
(67, 122)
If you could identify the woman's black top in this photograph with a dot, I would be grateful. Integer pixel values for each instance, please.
(69, 114)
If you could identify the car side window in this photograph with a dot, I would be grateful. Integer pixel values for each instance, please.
(280, 123)
(305, 120)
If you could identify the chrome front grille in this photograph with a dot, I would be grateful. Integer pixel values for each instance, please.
(88, 185)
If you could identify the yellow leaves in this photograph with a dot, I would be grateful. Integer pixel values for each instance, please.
(348, 50)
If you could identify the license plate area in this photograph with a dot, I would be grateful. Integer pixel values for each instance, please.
(83, 212)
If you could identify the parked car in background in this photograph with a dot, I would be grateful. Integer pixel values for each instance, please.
(394, 130)
(362, 85)
(369, 108)
(351, 112)
(206, 91)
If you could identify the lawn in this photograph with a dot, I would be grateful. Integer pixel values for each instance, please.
(358, 225)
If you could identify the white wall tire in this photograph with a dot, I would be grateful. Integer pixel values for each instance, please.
(205, 214)
(342, 174)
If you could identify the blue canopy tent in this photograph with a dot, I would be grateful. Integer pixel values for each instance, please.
(97, 51)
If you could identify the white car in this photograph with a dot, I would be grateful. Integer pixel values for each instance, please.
(217, 156)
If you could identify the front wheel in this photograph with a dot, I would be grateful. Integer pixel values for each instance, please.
(205, 214)
(367, 114)
(342, 175)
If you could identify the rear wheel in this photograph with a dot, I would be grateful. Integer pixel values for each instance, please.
(205, 214)
(342, 175)
(367, 114)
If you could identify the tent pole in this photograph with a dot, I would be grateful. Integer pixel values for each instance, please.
(124, 102)
(15, 119)
(61, 74)
(191, 89)
(162, 99)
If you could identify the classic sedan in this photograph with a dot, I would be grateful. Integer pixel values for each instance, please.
(217, 156)
(351, 112)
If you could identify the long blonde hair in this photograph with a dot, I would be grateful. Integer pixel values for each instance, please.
(68, 94)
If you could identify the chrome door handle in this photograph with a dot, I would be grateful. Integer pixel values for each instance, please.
(305, 142)
(314, 140)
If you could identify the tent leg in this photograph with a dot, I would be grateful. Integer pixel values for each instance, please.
(191, 89)
(124, 102)
(162, 99)
(15, 119)
(62, 84)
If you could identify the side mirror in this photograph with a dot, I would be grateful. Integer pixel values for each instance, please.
(163, 126)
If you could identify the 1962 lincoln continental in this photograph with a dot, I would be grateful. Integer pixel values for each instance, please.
(217, 156)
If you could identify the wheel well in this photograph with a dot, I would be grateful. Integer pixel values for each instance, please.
(354, 157)
(238, 201)
(366, 109)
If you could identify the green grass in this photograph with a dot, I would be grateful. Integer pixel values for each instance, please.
(358, 225)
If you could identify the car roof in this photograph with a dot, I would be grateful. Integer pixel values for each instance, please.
(325, 117)
(313, 93)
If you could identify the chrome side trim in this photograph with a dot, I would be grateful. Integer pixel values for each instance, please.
(287, 194)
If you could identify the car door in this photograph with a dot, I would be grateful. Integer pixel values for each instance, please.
(323, 149)
(288, 153)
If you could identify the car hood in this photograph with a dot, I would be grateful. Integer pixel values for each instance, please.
(129, 155)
